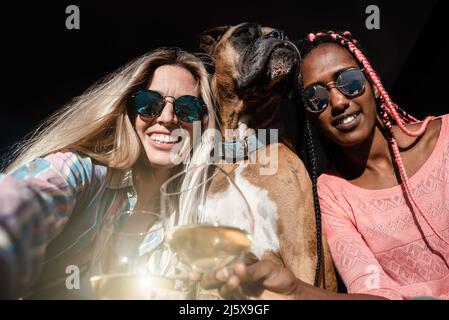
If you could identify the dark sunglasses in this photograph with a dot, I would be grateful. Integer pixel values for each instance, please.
(350, 82)
(149, 104)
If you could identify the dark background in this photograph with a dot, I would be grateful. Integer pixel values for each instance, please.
(44, 64)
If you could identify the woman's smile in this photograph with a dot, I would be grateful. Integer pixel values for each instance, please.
(347, 121)
(163, 141)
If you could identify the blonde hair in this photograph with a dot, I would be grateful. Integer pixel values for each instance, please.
(97, 123)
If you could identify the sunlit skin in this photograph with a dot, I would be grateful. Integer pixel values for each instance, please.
(156, 163)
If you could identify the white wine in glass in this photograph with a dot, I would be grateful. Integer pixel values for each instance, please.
(208, 220)
(207, 247)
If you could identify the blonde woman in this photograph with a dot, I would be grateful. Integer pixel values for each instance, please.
(107, 151)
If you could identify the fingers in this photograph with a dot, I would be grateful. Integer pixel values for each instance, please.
(257, 272)
(215, 279)
(228, 285)
(231, 290)
(269, 275)
(226, 282)
(250, 285)
(251, 281)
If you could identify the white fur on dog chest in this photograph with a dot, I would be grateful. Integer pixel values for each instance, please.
(265, 211)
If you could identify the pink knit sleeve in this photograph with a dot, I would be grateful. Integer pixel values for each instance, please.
(355, 262)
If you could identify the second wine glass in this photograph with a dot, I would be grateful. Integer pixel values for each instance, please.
(131, 261)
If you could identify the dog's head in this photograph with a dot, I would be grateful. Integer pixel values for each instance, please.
(255, 67)
(251, 59)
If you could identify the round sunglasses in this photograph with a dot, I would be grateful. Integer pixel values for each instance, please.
(350, 82)
(149, 104)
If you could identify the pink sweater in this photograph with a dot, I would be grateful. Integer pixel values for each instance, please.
(375, 240)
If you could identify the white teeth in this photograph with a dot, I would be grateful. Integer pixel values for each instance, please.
(348, 119)
(164, 138)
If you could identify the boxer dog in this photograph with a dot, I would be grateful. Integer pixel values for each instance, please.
(255, 67)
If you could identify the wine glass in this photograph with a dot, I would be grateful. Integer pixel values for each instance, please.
(208, 220)
(131, 261)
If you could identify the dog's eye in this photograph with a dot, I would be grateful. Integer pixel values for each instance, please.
(243, 32)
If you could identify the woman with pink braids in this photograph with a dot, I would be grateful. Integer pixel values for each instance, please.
(384, 198)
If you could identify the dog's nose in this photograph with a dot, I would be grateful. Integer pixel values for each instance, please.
(278, 34)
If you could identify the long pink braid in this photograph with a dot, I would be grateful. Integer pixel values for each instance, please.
(389, 110)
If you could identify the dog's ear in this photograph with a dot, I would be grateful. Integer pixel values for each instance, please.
(207, 61)
(209, 38)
